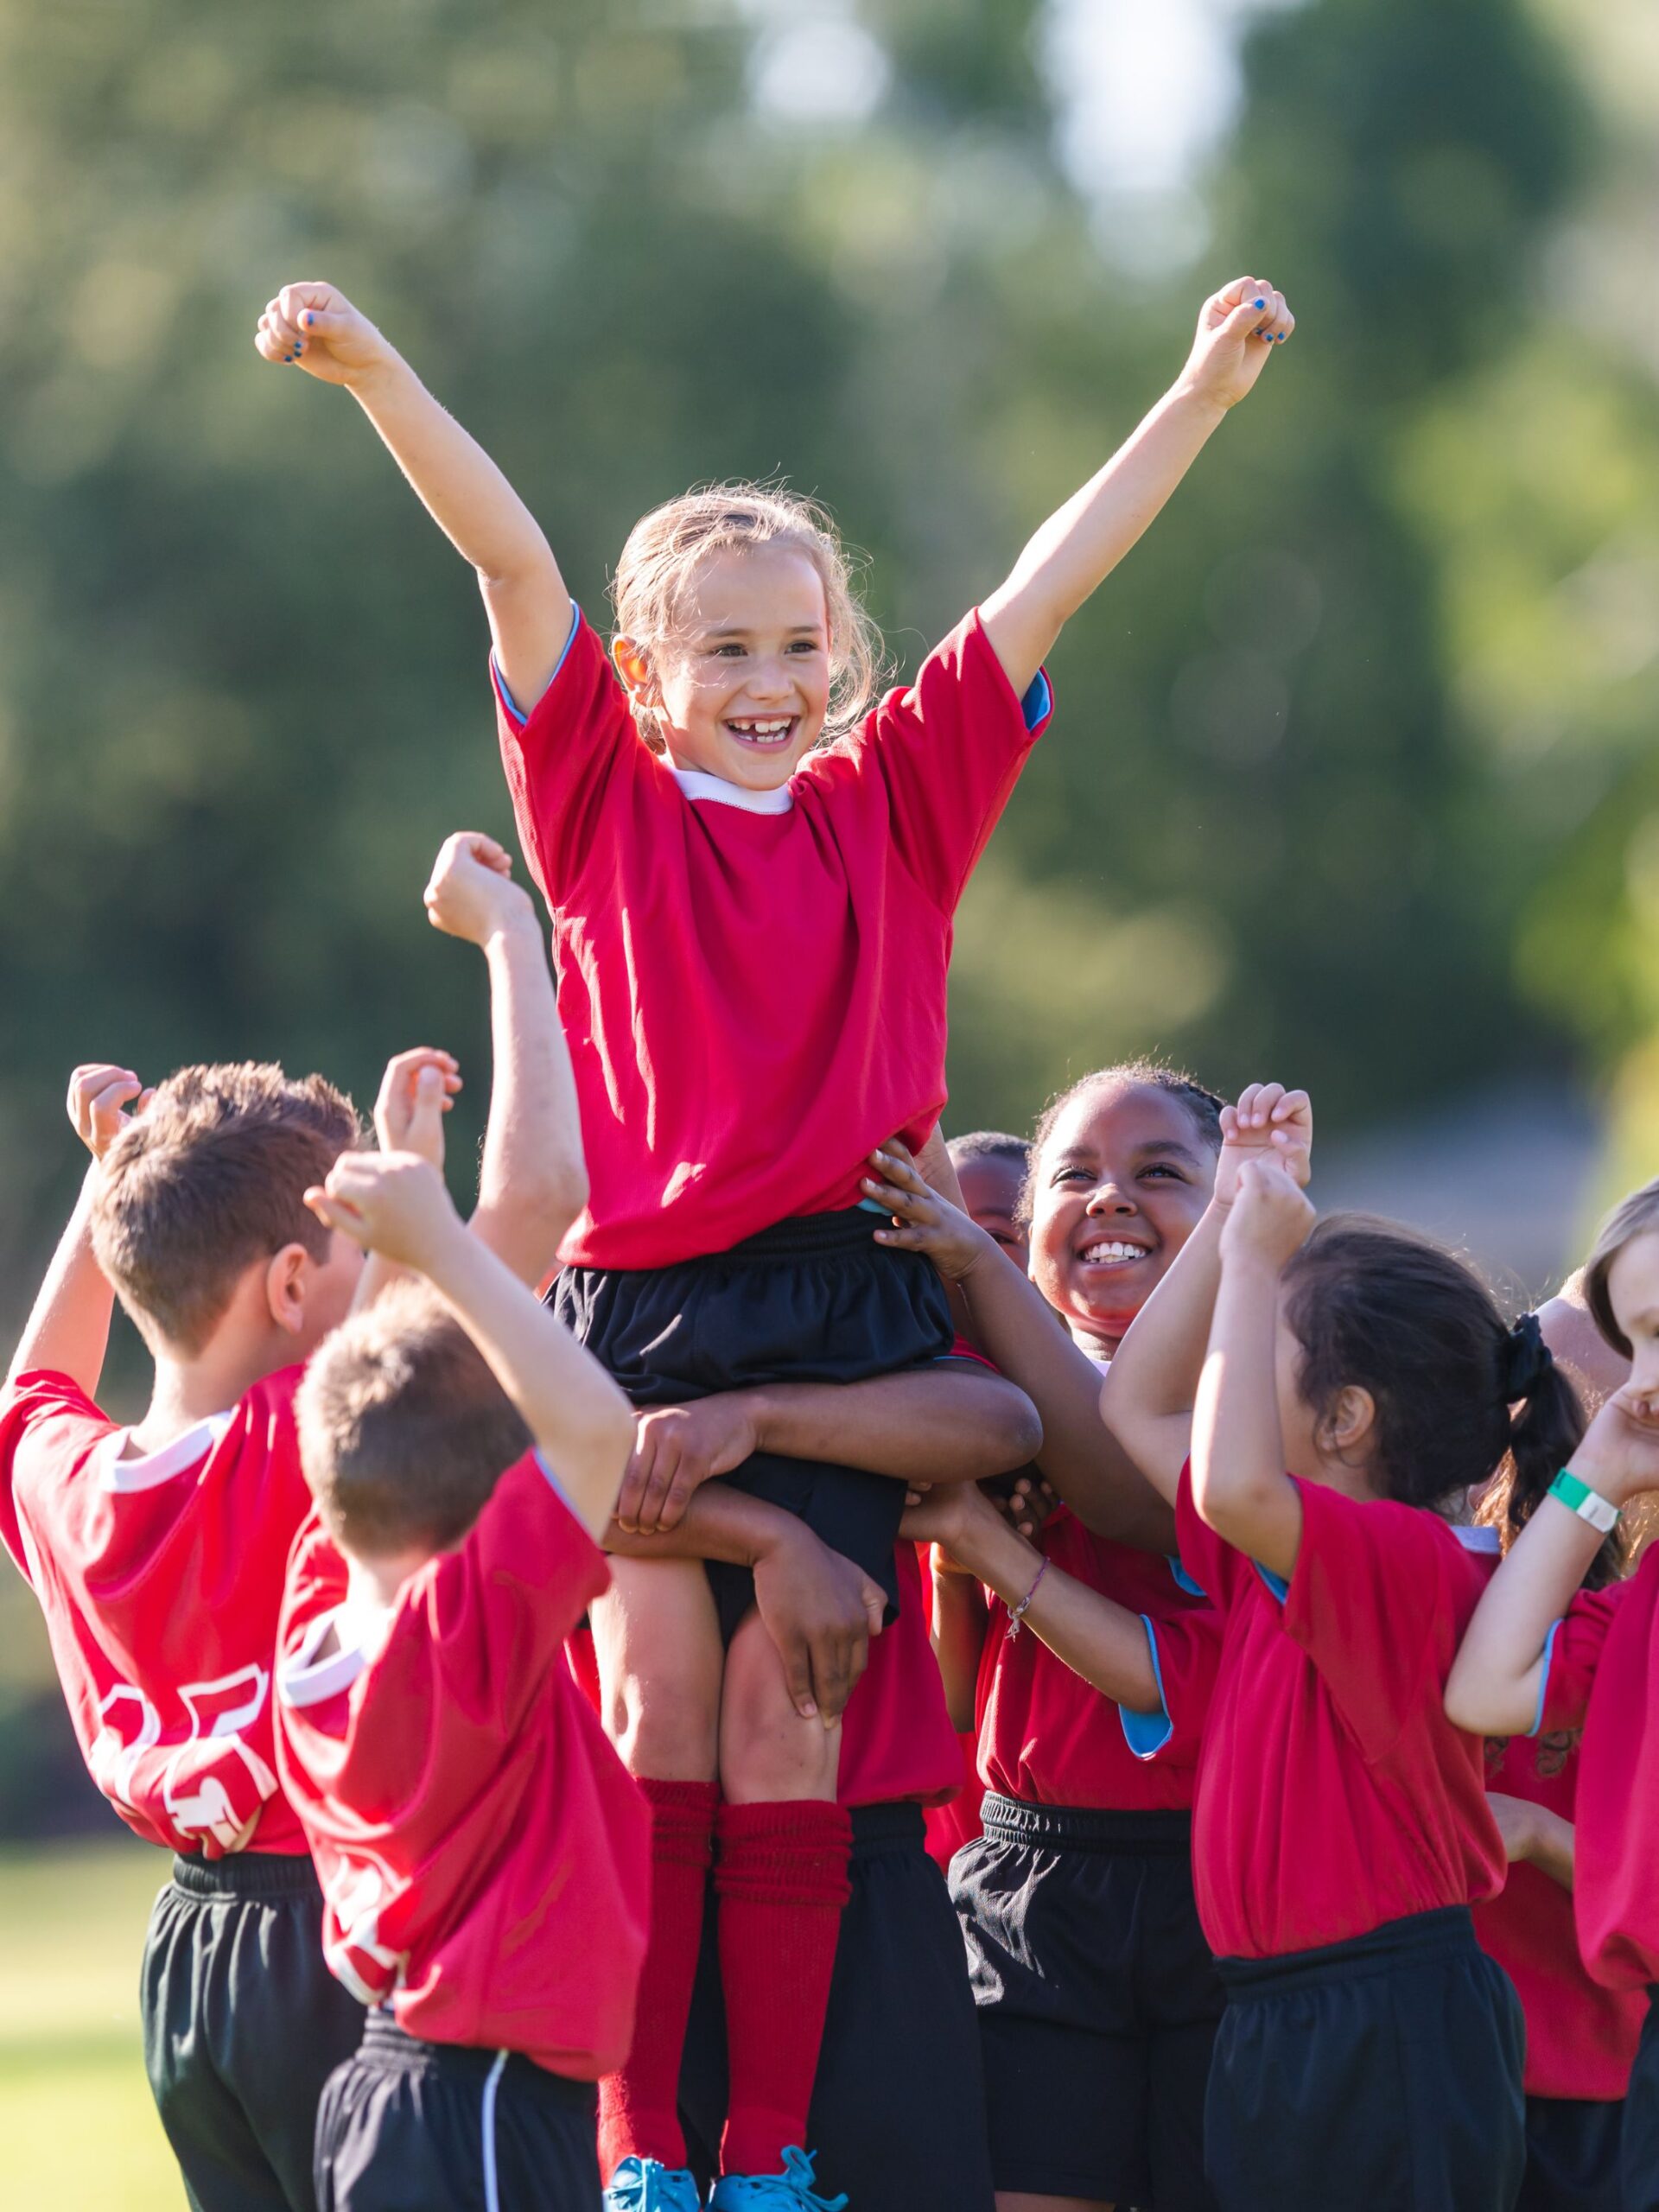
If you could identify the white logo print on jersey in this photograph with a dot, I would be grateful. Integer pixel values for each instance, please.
(213, 1785)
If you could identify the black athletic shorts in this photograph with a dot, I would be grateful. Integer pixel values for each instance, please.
(1573, 2156)
(1640, 2155)
(243, 2025)
(812, 1300)
(413, 2127)
(898, 2116)
(1383, 2073)
(1098, 2001)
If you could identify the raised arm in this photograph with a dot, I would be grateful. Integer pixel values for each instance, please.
(316, 328)
(68, 1325)
(952, 1423)
(1076, 549)
(396, 1204)
(1497, 1684)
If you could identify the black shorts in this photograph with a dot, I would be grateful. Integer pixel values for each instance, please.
(898, 2116)
(413, 2127)
(1098, 2001)
(1640, 2154)
(243, 2024)
(812, 1300)
(1384, 2072)
(1573, 2156)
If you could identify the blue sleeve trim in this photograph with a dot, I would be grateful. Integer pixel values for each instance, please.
(1543, 1679)
(1184, 1580)
(1276, 1583)
(1038, 703)
(1145, 1733)
(512, 705)
(554, 1483)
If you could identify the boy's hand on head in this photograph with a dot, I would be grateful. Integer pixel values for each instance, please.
(98, 1092)
(472, 894)
(319, 330)
(923, 1221)
(1268, 1123)
(1269, 1218)
(1619, 1456)
(1238, 329)
(676, 1449)
(417, 1091)
(393, 1203)
(820, 1611)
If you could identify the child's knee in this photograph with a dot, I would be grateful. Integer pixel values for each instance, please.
(657, 1642)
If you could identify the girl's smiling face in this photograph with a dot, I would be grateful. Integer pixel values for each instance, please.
(1119, 1187)
(742, 688)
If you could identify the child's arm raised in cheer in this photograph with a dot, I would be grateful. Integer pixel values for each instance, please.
(1078, 548)
(316, 328)
(396, 1204)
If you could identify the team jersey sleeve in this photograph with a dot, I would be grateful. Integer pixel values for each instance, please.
(1379, 1598)
(561, 753)
(949, 750)
(1186, 1650)
(1572, 1653)
(48, 1424)
(1209, 1566)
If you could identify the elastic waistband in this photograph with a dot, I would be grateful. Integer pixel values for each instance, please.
(807, 1236)
(1086, 1827)
(879, 1829)
(247, 1874)
(1447, 1932)
(385, 2043)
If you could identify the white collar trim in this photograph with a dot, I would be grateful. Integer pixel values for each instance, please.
(148, 1470)
(306, 1679)
(697, 783)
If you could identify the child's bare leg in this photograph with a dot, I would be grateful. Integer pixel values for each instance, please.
(657, 1639)
(782, 1881)
(1017, 2200)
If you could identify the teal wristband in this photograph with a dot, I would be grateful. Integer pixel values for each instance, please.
(1589, 1504)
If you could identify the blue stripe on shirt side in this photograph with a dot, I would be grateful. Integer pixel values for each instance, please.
(1544, 1679)
(1145, 1733)
(514, 710)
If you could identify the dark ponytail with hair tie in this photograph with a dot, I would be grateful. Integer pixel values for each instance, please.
(1545, 1428)
(1530, 1360)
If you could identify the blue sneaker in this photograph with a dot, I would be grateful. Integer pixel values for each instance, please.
(789, 2191)
(647, 2185)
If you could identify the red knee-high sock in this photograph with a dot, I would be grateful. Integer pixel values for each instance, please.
(782, 1882)
(638, 2113)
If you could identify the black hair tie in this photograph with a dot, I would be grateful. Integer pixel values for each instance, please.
(1527, 1361)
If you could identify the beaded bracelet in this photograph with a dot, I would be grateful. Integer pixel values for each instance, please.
(1016, 1618)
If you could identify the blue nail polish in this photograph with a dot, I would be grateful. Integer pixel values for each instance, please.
(309, 318)
(1258, 303)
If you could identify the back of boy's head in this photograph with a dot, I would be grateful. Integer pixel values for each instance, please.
(404, 1429)
(988, 1144)
(1376, 1306)
(1202, 1108)
(1635, 1216)
(665, 547)
(211, 1177)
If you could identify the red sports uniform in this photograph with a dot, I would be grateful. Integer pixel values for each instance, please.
(483, 1856)
(1333, 1794)
(161, 1579)
(696, 924)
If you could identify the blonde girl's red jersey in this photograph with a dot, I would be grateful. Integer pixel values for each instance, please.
(1602, 1673)
(753, 984)
(161, 1580)
(484, 1861)
(1333, 1794)
(1050, 1738)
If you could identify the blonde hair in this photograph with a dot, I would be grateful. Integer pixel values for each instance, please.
(663, 553)
(1636, 1216)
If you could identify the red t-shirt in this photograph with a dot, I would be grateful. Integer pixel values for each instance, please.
(753, 984)
(1603, 1673)
(484, 1861)
(1333, 1793)
(1051, 1738)
(161, 1580)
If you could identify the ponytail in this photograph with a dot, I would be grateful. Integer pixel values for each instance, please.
(1546, 1425)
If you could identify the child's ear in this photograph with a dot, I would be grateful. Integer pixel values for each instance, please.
(1348, 1422)
(285, 1287)
(634, 666)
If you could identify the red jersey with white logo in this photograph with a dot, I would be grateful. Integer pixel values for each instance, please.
(484, 1861)
(753, 983)
(1047, 1736)
(1602, 1673)
(1333, 1793)
(161, 1579)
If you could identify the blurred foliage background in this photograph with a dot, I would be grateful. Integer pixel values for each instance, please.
(1353, 774)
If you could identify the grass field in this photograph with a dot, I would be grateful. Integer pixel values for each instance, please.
(78, 2131)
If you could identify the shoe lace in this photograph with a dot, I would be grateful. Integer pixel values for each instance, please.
(644, 2189)
(792, 2190)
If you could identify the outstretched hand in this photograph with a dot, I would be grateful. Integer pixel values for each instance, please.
(1268, 1123)
(922, 1220)
(316, 328)
(1238, 329)
(98, 1093)
(472, 894)
(392, 1203)
(417, 1091)
(1270, 1218)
